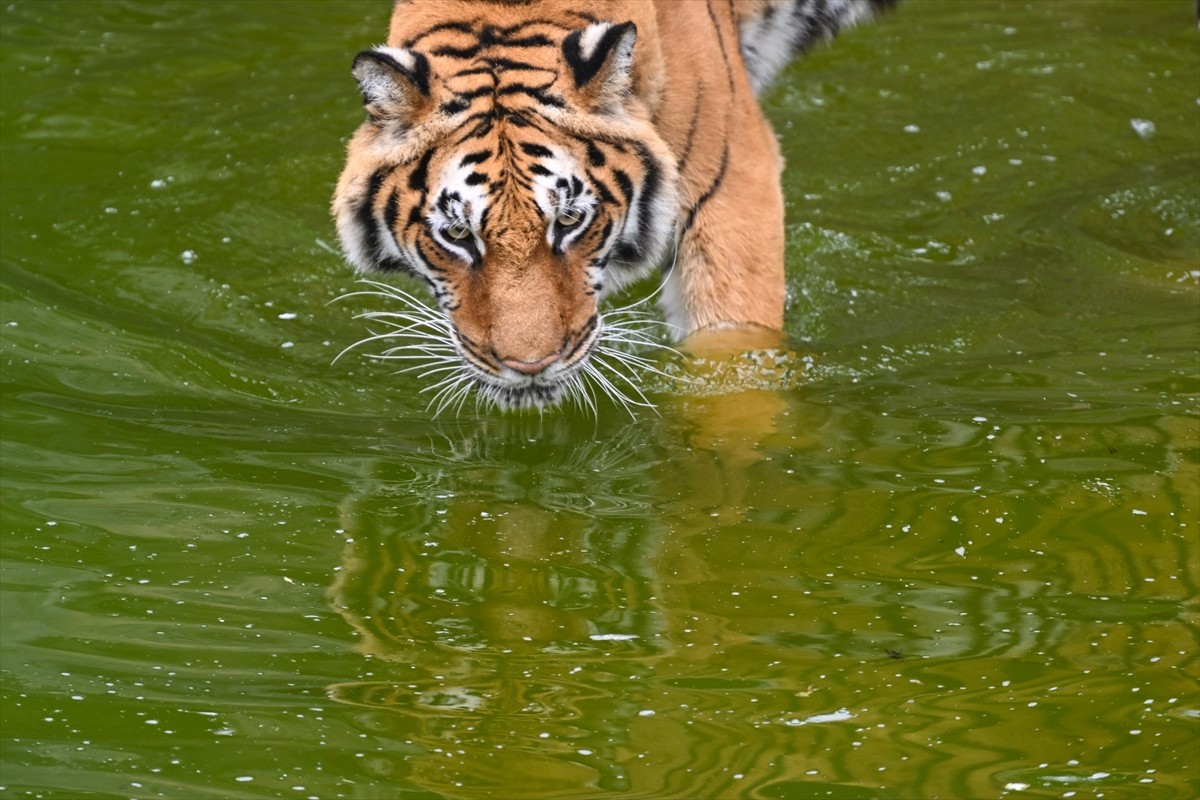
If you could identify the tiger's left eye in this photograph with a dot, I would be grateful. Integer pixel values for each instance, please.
(569, 217)
(458, 231)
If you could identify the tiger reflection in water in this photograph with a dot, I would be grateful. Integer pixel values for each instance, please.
(497, 594)
(482, 587)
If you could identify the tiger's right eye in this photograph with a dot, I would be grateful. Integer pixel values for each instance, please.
(458, 231)
(569, 217)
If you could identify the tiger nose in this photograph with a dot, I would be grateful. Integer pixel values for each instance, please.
(530, 367)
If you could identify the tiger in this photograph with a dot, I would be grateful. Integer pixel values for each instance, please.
(526, 159)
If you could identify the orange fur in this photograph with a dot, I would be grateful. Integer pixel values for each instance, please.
(644, 116)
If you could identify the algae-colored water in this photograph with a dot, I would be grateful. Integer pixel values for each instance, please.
(947, 547)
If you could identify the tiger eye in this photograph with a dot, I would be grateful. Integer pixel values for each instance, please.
(568, 217)
(458, 231)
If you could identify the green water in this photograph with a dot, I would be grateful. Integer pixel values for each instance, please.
(952, 553)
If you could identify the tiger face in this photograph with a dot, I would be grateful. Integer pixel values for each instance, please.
(516, 172)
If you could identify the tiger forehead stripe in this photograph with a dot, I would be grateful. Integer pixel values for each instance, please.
(488, 35)
(470, 40)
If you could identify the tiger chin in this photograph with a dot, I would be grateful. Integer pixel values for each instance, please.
(525, 159)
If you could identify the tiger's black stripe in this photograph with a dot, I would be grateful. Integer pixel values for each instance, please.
(366, 213)
(712, 16)
(717, 180)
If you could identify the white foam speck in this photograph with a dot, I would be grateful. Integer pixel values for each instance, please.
(1143, 127)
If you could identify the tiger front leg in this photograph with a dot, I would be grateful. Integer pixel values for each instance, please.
(729, 271)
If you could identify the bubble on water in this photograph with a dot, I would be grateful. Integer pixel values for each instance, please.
(288, 315)
(912, 128)
(188, 256)
(1143, 127)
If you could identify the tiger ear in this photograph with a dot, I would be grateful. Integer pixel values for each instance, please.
(600, 58)
(394, 82)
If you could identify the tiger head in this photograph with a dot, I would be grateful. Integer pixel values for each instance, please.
(516, 172)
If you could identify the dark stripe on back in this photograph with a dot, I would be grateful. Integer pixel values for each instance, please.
(692, 126)
(721, 43)
(709, 192)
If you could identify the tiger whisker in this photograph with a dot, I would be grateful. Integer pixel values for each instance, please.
(433, 349)
(432, 370)
(645, 401)
(612, 391)
(456, 386)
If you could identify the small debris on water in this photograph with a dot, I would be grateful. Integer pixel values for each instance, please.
(1143, 127)
(841, 715)
(612, 637)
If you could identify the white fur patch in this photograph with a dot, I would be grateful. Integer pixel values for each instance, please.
(376, 84)
(466, 210)
(673, 307)
(552, 199)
